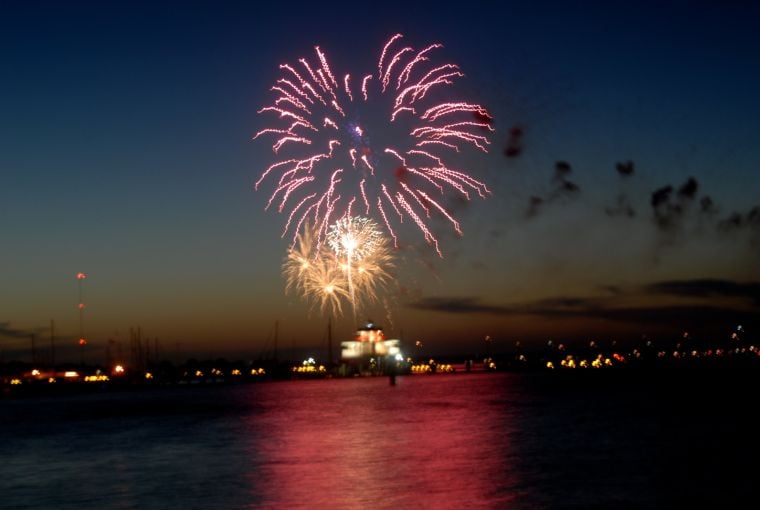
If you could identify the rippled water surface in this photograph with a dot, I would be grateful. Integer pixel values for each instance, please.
(448, 441)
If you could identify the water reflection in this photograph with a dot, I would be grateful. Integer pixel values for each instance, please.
(428, 442)
(626, 440)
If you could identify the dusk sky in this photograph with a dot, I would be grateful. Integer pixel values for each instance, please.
(126, 152)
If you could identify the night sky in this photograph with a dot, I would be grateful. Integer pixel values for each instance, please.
(624, 171)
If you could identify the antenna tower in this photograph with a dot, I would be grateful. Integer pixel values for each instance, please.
(82, 339)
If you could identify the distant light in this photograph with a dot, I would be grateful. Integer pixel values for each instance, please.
(15, 382)
(148, 375)
(118, 369)
(35, 372)
(71, 373)
(81, 276)
(82, 341)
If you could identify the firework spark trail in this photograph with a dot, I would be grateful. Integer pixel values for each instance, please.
(326, 132)
(317, 277)
(352, 268)
(354, 238)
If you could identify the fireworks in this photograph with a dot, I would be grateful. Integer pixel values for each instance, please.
(318, 277)
(378, 143)
(354, 237)
(327, 278)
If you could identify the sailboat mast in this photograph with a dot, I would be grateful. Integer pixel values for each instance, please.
(52, 343)
(329, 341)
(276, 328)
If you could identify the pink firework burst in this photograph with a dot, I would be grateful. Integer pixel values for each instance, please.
(376, 143)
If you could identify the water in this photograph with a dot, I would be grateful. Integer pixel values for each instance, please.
(448, 441)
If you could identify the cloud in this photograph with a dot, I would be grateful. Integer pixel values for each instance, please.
(459, 305)
(707, 288)
(715, 314)
(568, 305)
(7, 331)
(692, 316)
(614, 290)
(559, 305)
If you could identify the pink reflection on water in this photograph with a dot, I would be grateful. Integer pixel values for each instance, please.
(428, 442)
